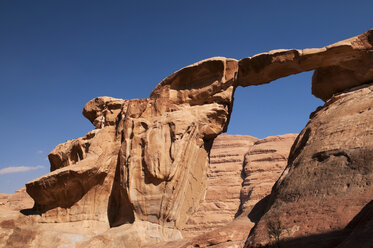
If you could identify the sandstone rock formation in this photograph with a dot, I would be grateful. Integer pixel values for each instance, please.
(241, 172)
(359, 230)
(147, 166)
(263, 165)
(207, 226)
(224, 179)
(144, 169)
(338, 67)
(329, 176)
(238, 164)
(17, 201)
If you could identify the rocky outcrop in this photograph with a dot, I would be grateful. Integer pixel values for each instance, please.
(81, 190)
(338, 67)
(207, 226)
(224, 181)
(144, 168)
(329, 175)
(359, 230)
(239, 165)
(263, 165)
(17, 201)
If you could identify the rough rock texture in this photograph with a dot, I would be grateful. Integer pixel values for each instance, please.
(338, 67)
(79, 191)
(148, 165)
(17, 201)
(263, 165)
(242, 171)
(360, 229)
(224, 179)
(329, 177)
(233, 157)
(232, 235)
(144, 168)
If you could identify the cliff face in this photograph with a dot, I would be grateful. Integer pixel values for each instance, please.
(329, 176)
(229, 159)
(140, 177)
(241, 172)
(224, 179)
(148, 159)
(263, 165)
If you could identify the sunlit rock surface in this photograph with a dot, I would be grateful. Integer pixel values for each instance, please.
(145, 168)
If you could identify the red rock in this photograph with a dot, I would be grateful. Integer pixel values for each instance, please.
(329, 175)
(144, 169)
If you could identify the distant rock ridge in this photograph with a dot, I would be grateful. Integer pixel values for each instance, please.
(140, 176)
(237, 179)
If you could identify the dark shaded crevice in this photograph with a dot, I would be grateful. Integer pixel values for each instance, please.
(324, 155)
(120, 210)
(298, 146)
(76, 153)
(242, 197)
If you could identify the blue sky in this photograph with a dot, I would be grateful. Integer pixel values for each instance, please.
(57, 55)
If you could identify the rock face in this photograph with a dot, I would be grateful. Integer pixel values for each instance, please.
(147, 165)
(359, 230)
(17, 201)
(263, 165)
(239, 165)
(329, 175)
(144, 169)
(224, 178)
(207, 226)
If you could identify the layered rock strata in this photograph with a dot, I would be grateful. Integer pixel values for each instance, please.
(224, 179)
(242, 171)
(263, 165)
(146, 162)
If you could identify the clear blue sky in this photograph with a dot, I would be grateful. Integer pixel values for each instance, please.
(57, 55)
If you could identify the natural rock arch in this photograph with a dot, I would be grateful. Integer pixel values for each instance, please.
(151, 154)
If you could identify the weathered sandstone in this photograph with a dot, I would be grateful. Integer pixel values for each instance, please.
(224, 179)
(338, 67)
(329, 175)
(17, 201)
(359, 230)
(263, 165)
(140, 176)
(238, 165)
(147, 165)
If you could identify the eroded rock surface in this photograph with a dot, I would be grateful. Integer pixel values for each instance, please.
(144, 168)
(329, 175)
(338, 67)
(224, 181)
(263, 164)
